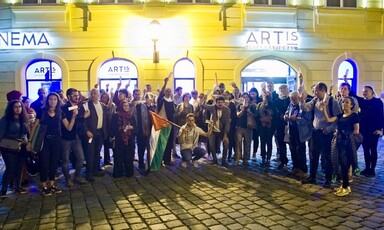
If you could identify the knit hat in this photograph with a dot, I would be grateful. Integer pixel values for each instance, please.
(13, 95)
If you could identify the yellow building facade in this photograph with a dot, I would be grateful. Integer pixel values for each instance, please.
(80, 44)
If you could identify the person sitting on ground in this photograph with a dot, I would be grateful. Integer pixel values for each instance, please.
(189, 138)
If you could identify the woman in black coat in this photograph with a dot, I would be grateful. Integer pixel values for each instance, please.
(13, 125)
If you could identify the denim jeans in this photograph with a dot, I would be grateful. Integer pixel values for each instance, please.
(77, 149)
(196, 153)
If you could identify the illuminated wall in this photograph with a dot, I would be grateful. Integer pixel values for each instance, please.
(82, 37)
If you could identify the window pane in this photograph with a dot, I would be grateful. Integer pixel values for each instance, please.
(106, 1)
(113, 84)
(345, 68)
(56, 71)
(187, 84)
(41, 70)
(184, 68)
(279, 2)
(33, 86)
(184, 1)
(29, 1)
(350, 3)
(266, 70)
(333, 3)
(48, 1)
(203, 1)
(125, 1)
(263, 2)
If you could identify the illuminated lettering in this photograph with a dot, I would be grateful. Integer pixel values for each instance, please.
(15, 38)
(18, 39)
(273, 39)
(118, 69)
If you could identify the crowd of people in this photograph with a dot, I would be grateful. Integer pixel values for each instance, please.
(56, 131)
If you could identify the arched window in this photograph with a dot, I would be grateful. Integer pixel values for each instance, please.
(348, 67)
(184, 74)
(42, 73)
(114, 70)
(266, 70)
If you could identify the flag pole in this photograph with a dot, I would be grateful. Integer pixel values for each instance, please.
(162, 118)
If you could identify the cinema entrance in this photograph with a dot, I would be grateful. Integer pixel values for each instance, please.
(268, 70)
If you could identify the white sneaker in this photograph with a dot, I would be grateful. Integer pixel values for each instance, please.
(194, 163)
(341, 187)
(184, 164)
(343, 192)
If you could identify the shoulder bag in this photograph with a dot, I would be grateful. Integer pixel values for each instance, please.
(10, 145)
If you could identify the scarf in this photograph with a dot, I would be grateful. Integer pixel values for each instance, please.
(125, 120)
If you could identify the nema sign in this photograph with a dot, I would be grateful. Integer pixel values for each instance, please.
(18, 39)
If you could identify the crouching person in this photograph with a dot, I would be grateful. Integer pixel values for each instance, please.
(188, 139)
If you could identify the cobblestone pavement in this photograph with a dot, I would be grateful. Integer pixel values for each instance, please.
(207, 197)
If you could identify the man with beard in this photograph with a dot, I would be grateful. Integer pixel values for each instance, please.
(71, 121)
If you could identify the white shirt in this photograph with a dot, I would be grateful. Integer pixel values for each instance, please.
(99, 112)
(216, 126)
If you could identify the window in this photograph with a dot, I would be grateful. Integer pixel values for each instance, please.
(184, 74)
(342, 3)
(348, 68)
(194, 1)
(271, 2)
(40, 1)
(266, 70)
(115, 1)
(114, 70)
(42, 73)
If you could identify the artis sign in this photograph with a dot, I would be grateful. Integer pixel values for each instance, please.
(21, 40)
(273, 39)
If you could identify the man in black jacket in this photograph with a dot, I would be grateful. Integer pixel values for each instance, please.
(95, 130)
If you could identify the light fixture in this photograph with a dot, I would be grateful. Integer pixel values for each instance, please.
(155, 27)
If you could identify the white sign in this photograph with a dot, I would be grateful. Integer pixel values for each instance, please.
(116, 68)
(44, 70)
(272, 39)
(21, 40)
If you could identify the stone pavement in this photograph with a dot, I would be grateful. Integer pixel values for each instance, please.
(208, 197)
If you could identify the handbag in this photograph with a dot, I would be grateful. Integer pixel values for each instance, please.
(358, 139)
(11, 145)
(37, 142)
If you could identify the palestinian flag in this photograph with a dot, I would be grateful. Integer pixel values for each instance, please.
(159, 137)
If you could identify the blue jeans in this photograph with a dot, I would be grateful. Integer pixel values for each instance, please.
(197, 153)
(77, 149)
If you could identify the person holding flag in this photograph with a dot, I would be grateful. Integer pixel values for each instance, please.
(166, 109)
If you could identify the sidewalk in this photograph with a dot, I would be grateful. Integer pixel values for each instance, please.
(208, 197)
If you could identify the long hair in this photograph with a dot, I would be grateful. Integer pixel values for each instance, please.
(46, 104)
(9, 114)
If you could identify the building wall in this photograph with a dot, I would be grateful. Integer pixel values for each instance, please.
(212, 36)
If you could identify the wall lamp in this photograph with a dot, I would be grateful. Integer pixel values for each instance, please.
(155, 27)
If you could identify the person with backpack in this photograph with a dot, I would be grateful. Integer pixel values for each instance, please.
(322, 133)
